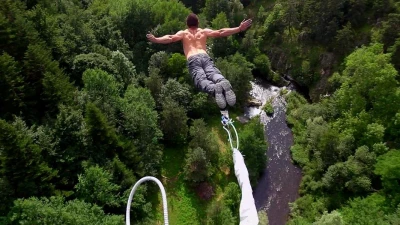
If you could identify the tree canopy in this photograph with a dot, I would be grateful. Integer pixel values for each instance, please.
(88, 106)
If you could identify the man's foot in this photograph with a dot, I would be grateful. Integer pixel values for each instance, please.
(229, 94)
(219, 96)
(225, 113)
(224, 117)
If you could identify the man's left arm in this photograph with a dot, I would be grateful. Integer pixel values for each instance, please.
(224, 32)
(167, 39)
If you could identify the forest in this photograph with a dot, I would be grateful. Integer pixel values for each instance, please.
(88, 106)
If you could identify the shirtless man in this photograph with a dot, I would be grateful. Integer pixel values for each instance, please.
(205, 75)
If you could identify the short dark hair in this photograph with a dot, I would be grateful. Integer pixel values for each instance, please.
(192, 20)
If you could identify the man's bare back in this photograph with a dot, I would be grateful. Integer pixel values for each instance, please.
(194, 39)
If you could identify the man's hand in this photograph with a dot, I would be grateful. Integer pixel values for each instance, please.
(245, 24)
(151, 38)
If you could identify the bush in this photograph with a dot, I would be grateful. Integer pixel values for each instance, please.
(268, 108)
(197, 166)
(254, 147)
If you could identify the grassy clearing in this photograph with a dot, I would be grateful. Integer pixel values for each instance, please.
(184, 206)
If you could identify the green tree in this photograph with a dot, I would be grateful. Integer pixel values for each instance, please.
(395, 51)
(6, 197)
(291, 16)
(45, 23)
(332, 218)
(232, 197)
(140, 121)
(369, 210)
(78, 37)
(273, 24)
(55, 210)
(197, 166)
(48, 85)
(200, 105)
(387, 167)
(126, 71)
(177, 92)
(70, 132)
(103, 90)
(105, 26)
(391, 30)
(83, 62)
(174, 122)
(253, 146)
(18, 31)
(213, 8)
(141, 209)
(345, 39)
(159, 61)
(262, 63)
(307, 208)
(376, 95)
(354, 174)
(22, 164)
(202, 137)
(321, 20)
(155, 83)
(250, 45)
(103, 141)
(176, 67)
(219, 214)
(95, 186)
(11, 86)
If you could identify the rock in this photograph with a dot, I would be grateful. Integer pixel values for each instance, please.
(243, 119)
(254, 102)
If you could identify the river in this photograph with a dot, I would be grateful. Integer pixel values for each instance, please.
(279, 183)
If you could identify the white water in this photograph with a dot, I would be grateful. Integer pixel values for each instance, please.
(264, 93)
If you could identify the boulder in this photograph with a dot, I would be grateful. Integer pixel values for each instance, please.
(243, 119)
(254, 102)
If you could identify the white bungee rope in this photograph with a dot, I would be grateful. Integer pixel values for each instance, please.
(163, 195)
(230, 123)
(247, 209)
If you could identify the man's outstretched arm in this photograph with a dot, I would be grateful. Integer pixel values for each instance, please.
(224, 32)
(166, 39)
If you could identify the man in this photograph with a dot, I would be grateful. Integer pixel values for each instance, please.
(205, 75)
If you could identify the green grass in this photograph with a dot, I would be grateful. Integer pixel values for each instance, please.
(184, 206)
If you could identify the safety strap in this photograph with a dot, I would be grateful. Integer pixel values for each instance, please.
(226, 125)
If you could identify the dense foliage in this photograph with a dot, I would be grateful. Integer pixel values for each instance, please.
(88, 106)
(347, 144)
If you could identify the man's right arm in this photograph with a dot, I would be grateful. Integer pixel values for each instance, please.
(166, 39)
(224, 32)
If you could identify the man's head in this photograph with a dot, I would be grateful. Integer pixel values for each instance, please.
(192, 21)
